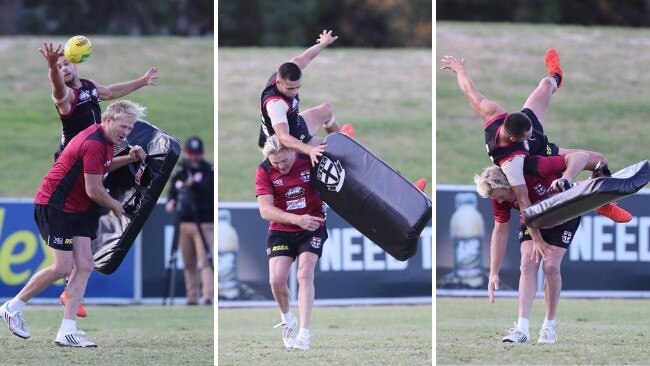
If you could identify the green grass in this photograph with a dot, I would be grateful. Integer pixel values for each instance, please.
(590, 332)
(125, 335)
(385, 94)
(602, 106)
(371, 335)
(182, 104)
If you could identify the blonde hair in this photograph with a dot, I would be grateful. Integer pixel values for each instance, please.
(490, 179)
(272, 146)
(121, 108)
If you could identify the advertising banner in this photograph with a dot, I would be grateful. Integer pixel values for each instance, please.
(604, 257)
(351, 265)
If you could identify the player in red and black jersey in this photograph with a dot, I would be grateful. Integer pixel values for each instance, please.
(67, 219)
(280, 106)
(541, 175)
(510, 137)
(77, 100)
(297, 229)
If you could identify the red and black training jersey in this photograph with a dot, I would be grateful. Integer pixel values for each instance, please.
(539, 173)
(84, 113)
(269, 93)
(292, 192)
(64, 186)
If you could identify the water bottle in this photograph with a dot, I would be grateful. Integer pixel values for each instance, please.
(467, 231)
(228, 244)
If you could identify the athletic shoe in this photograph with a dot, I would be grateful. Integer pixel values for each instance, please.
(348, 130)
(547, 335)
(421, 184)
(15, 321)
(81, 312)
(289, 333)
(302, 343)
(77, 339)
(552, 61)
(516, 336)
(614, 213)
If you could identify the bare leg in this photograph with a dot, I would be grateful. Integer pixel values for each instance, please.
(42, 279)
(317, 116)
(278, 276)
(84, 264)
(594, 157)
(540, 98)
(527, 279)
(306, 292)
(553, 280)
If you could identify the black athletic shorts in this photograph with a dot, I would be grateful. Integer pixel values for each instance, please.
(292, 244)
(300, 130)
(538, 142)
(558, 236)
(58, 228)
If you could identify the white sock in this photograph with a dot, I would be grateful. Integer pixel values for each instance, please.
(15, 305)
(548, 323)
(522, 325)
(288, 318)
(68, 326)
(304, 332)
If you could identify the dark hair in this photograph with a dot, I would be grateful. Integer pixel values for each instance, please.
(289, 71)
(517, 124)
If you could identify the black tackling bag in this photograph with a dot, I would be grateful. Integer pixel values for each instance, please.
(138, 186)
(371, 196)
(587, 196)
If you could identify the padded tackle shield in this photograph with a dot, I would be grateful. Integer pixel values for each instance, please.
(370, 195)
(587, 196)
(138, 186)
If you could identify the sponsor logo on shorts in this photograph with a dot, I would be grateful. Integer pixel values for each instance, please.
(566, 237)
(305, 176)
(296, 204)
(57, 241)
(280, 247)
(315, 242)
(549, 151)
(268, 251)
(295, 192)
(278, 182)
(68, 241)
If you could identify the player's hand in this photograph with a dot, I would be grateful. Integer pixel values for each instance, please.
(561, 184)
(151, 76)
(326, 38)
(452, 63)
(50, 54)
(493, 285)
(117, 209)
(170, 206)
(316, 152)
(310, 223)
(137, 153)
(540, 250)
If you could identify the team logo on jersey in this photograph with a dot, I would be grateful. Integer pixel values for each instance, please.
(566, 237)
(315, 242)
(278, 182)
(305, 176)
(526, 145)
(296, 204)
(295, 192)
(107, 163)
(331, 174)
(539, 189)
(83, 95)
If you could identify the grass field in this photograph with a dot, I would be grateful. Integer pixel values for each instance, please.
(374, 335)
(385, 94)
(125, 335)
(602, 106)
(590, 332)
(182, 104)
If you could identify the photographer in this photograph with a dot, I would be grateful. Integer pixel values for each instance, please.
(191, 198)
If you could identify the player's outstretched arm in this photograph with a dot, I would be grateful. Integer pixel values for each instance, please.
(121, 89)
(61, 95)
(485, 107)
(497, 252)
(324, 39)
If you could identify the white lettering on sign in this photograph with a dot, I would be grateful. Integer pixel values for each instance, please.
(347, 249)
(600, 239)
